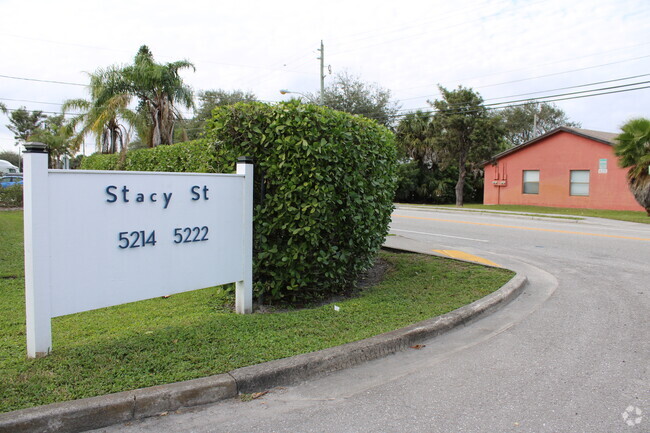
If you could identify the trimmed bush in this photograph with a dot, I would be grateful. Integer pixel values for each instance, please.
(328, 182)
(196, 156)
(98, 161)
(11, 196)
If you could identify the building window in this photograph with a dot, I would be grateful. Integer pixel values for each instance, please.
(531, 181)
(579, 182)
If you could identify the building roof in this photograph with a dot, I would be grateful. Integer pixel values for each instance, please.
(600, 136)
(605, 137)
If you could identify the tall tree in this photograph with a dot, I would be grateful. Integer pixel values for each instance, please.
(24, 123)
(106, 115)
(414, 138)
(11, 156)
(56, 135)
(210, 99)
(464, 132)
(633, 149)
(160, 90)
(348, 93)
(524, 122)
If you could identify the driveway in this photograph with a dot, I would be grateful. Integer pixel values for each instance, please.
(570, 354)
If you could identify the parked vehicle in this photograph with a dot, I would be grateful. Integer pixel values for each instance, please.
(6, 181)
(8, 168)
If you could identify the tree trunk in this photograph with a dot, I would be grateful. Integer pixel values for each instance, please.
(155, 133)
(462, 171)
(166, 123)
(640, 187)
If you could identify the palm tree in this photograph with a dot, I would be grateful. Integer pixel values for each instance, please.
(104, 115)
(160, 90)
(633, 149)
(414, 137)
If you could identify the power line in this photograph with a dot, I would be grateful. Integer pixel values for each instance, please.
(43, 81)
(30, 102)
(46, 112)
(560, 88)
(492, 106)
(544, 76)
(571, 93)
(556, 89)
(524, 102)
(573, 58)
(565, 72)
(573, 87)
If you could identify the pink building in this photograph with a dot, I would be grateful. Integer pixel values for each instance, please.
(567, 167)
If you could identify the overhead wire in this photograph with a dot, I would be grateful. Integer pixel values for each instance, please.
(510, 104)
(43, 81)
(31, 102)
(520, 103)
(541, 76)
(573, 87)
(498, 105)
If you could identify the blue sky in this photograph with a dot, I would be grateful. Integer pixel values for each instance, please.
(500, 48)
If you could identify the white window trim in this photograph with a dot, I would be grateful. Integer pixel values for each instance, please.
(524, 182)
(572, 183)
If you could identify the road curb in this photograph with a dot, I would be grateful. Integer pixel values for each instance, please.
(573, 219)
(97, 412)
(299, 368)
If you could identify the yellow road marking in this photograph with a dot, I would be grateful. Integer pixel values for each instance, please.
(454, 254)
(525, 228)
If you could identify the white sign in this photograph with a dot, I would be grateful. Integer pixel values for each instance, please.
(95, 239)
(602, 166)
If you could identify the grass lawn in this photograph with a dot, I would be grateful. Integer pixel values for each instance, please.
(621, 215)
(196, 334)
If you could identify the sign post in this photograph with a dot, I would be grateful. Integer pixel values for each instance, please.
(244, 287)
(37, 266)
(94, 239)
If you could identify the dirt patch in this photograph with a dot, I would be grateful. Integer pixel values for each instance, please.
(371, 277)
(374, 275)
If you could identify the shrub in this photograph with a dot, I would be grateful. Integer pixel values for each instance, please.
(193, 156)
(329, 181)
(98, 161)
(11, 196)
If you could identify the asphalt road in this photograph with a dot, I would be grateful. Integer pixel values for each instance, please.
(571, 354)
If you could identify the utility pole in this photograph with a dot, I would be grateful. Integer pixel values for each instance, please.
(322, 71)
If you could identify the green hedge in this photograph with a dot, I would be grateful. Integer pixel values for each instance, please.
(329, 182)
(196, 156)
(11, 196)
(98, 161)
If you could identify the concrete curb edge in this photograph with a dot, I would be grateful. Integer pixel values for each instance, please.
(102, 411)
